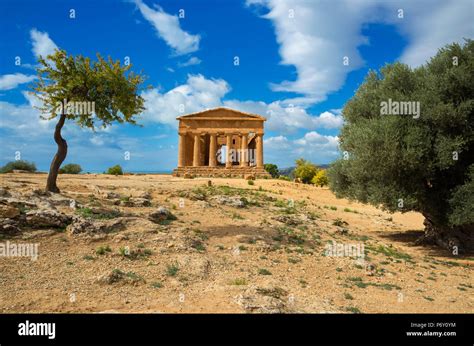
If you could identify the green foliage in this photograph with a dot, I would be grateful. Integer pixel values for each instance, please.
(272, 169)
(70, 168)
(115, 170)
(112, 87)
(426, 162)
(305, 170)
(20, 165)
(284, 177)
(320, 179)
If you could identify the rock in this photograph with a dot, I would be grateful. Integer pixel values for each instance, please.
(9, 211)
(288, 220)
(139, 202)
(111, 195)
(8, 226)
(47, 218)
(268, 300)
(161, 214)
(188, 176)
(81, 225)
(4, 192)
(194, 266)
(118, 276)
(233, 201)
(59, 200)
(249, 177)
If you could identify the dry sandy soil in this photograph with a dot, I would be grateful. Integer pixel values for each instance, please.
(233, 247)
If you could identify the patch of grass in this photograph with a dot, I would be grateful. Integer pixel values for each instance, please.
(353, 309)
(102, 250)
(242, 248)
(348, 210)
(339, 269)
(428, 298)
(88, 213)
(236, 216)
(156, 284)
(240, 281)
(88, 258)
(263, 271)
(250, 182)
(303, 283)
(294, 260)
(220, 247)
(390, 252)
(348, 296)
(172, 269)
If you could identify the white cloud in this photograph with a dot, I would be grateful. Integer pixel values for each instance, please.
(321, 33)
(11, 81)
(197, 94)
(42, 44)
(192, 61)
(285, 118)
(168, 28)
(430, 25)
(312, 146)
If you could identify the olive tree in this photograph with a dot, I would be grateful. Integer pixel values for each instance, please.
(421, 160)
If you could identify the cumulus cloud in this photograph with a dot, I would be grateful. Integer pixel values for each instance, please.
(168, 28)
(312, 146)
(42, 44)
(198, 93)
(11, 81)
(315, 36)
(285, 118)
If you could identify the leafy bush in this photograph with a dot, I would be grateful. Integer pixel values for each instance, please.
(272, 169)
(305, 170)
(70, 168)
(320, 179)
(115, 170)
(19, 164)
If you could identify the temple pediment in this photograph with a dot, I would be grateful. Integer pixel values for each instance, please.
(221, 113)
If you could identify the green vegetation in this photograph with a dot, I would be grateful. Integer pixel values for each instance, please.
(272, 169)
(70, 168)
(263, 271)
(172, 269)
(102, 250)
(103, 92)
(18, 165)
(320, 178)
(420, 161)
(115, 170)
(305, 170)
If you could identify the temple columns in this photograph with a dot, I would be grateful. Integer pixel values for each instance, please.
(228, 159)
(181, 150)
(213, 150)
(197, 150)
(244, 157)
(259, 148)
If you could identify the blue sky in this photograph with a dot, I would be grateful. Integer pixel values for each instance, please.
(291, 67)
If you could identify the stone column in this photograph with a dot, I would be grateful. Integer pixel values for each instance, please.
(197, 150)
(213, 150)
(244, 155)
(228, 162)
(181, 150)
(259, 150)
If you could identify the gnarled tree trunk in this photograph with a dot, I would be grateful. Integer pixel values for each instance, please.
(457, 240)
(58, 158)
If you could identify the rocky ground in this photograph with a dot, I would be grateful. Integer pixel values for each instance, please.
(154, 243)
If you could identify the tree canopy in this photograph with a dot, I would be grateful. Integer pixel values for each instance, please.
(408, 162)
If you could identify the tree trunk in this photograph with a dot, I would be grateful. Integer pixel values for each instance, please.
(457, 240)
(58, 158)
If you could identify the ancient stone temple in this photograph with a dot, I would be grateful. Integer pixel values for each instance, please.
(220, 142)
